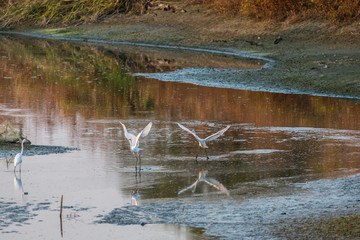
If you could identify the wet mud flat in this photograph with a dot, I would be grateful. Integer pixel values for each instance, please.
(301, 215)
(270, 217)
(9, 150)
(14, 214)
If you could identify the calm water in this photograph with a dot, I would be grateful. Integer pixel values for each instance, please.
(75, 95)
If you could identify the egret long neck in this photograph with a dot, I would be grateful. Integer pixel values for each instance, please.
(22, 147)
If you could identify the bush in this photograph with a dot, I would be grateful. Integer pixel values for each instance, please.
(334, 10)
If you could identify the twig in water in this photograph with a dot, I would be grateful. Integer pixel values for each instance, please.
(61, 204)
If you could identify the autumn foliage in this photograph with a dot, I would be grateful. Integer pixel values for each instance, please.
(334, 10)
(42, 12)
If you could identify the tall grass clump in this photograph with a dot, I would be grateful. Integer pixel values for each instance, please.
(333, 10)
(15, 12)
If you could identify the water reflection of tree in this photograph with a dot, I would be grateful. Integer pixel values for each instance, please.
(78, 78)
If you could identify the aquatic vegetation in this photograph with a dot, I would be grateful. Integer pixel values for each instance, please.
(78, 75)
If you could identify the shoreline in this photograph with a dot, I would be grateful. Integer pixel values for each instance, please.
(314, 57)
(274, 66)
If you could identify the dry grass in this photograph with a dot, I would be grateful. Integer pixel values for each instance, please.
(42, 12)
(333, 10)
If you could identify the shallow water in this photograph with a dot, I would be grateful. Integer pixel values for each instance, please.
(281, 155)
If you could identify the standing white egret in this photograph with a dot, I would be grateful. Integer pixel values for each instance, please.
(202, 142)
(134, 141)
(18, 157)
(211, 181)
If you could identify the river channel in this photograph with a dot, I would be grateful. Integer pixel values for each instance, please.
(286, 157)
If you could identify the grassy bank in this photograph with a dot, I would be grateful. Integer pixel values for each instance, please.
(43, 12)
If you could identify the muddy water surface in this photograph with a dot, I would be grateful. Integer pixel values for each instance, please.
(281, 155)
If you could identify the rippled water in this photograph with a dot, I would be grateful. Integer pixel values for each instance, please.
(278, 150)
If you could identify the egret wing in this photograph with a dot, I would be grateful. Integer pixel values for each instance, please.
(17, 159)
(189, 187)
(130, 137)
(146, 130)
(186, 129)
(218, 134)
(216, 184)
(136, 142)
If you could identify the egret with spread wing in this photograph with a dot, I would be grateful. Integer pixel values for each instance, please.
(18, 157)
(202, 142)
(211, 181)
(134, 141)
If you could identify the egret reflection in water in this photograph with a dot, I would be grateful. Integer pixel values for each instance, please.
(18, 184)
(134, 141)
(135, 197)
(210, 181)
(202, 141)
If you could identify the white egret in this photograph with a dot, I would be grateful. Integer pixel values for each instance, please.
(18, 157)
(211, 181)
(202, 142)
(134, 141)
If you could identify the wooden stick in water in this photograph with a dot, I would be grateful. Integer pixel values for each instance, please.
(61, 204)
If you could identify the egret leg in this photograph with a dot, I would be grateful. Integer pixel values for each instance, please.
(197, 154)
(20, 167)
(139, 163)
(136, 177)
(207, 157)
(136, 163)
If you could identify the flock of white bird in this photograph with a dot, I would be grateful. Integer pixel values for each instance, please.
(134, 148)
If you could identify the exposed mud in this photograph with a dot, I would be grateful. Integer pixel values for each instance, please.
(12, 213)
(266, 217)
(10, 150)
